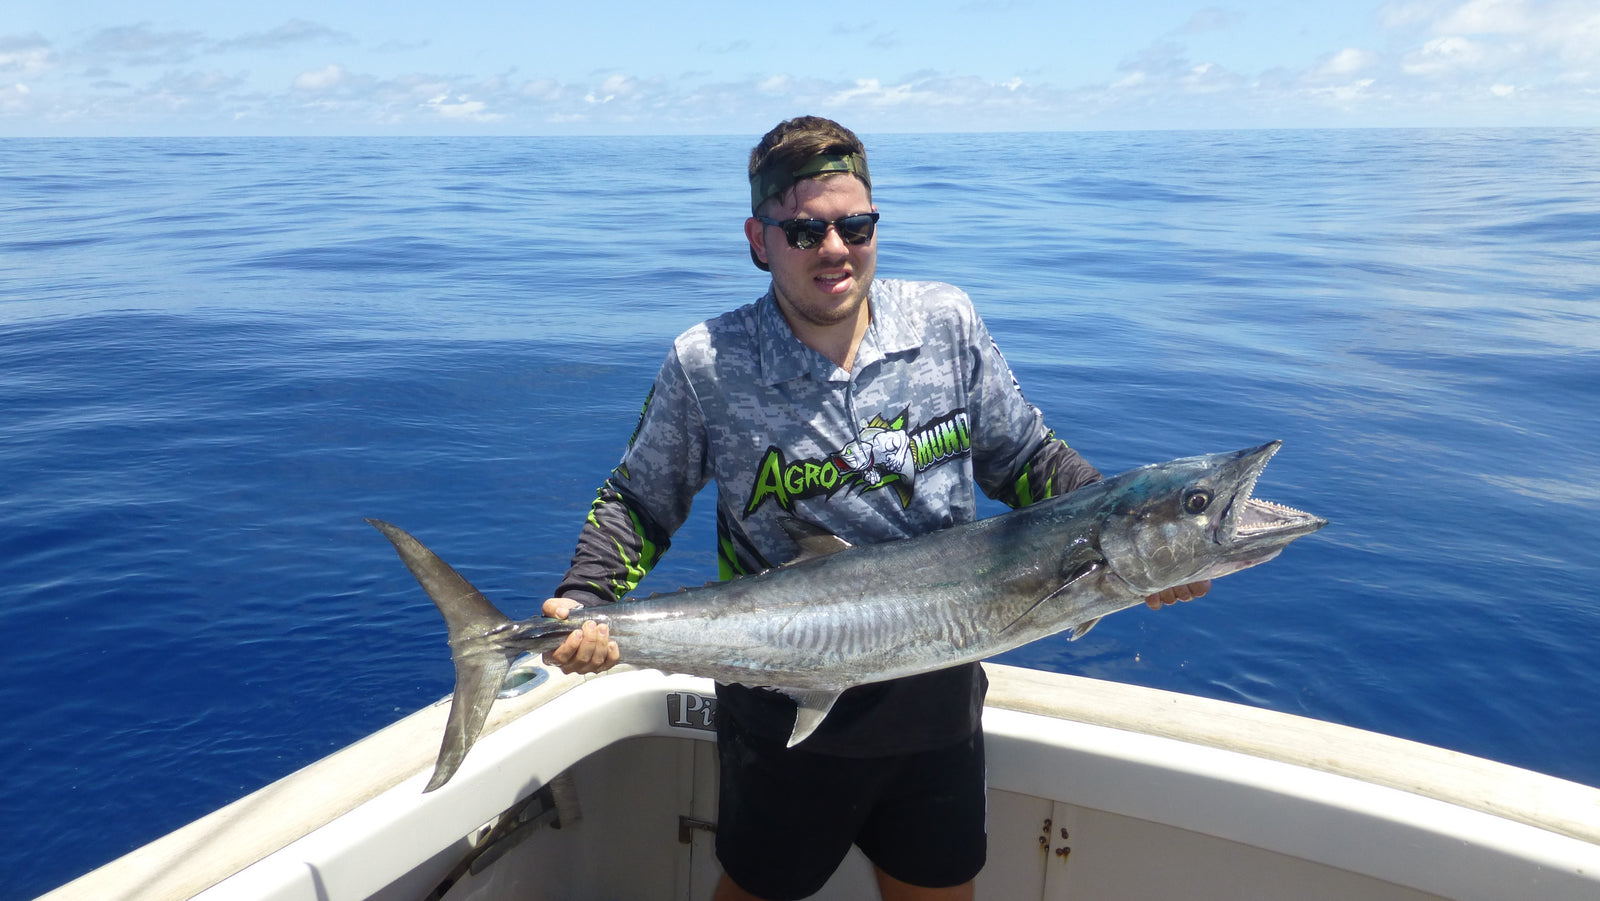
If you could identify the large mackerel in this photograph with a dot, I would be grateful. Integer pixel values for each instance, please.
(840, 616)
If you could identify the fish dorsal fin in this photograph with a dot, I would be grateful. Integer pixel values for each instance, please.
(811, 708)
(814, 540)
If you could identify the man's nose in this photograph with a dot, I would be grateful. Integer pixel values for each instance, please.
(833, 242)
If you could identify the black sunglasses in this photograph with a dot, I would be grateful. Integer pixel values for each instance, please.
(804, 234)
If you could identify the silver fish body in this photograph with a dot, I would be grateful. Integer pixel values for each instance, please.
(841, 616)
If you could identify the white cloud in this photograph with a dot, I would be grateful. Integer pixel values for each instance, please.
(867, 90)
(1406, 13)
(188, 84)
(548, 90)
(1346, 95)
(14, 98)
(294, 31)
(1487, 17)
(1132, 80)
(182, 91)
(462, 108)
(930, 94)
(141, 45)
(1212, 18)
(329, 76)
(1209, 78)
(1163, 71)
(1419, 60)
(1532, 34)
(24, 54)
(630, 95)
(619, 86)
(1444, 56)
(1348, 61)
(393, 46)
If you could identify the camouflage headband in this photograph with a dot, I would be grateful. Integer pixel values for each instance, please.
(766, 184)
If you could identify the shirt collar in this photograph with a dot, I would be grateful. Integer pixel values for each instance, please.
(783, 357)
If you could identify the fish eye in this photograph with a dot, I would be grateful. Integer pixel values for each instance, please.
(1196, 501)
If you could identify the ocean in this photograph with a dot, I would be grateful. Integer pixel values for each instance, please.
(218, 355)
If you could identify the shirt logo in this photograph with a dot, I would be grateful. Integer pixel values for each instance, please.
(884, 454)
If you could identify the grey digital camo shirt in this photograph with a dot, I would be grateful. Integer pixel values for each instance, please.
(888, 450)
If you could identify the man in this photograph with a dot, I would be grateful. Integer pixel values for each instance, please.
(818, 402)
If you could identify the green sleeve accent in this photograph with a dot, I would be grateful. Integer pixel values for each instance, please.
(1053, 469)
(1023, 491)
(635, 565)
(616, 549)
(727, 564)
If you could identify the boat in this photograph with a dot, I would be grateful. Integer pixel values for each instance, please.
(604, 787)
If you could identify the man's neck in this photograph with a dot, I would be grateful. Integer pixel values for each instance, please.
(838, 341)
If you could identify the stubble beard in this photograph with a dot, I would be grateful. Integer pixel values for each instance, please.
(829, 312)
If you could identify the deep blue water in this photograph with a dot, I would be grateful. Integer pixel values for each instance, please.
(217, 356)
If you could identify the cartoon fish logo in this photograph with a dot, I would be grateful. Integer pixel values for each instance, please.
(881, 456)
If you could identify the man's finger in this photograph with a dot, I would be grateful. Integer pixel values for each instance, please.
(560, 608)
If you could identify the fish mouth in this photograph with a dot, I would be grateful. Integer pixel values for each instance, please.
(1251, 522)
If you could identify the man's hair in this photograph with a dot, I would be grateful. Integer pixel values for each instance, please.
(789, 146)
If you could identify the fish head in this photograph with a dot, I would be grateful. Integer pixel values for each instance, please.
(854, 457)
(1195, 518)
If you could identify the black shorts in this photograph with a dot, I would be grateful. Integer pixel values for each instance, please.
(787, 818)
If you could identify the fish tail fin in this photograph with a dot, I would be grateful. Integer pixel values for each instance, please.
(479, 674)
(477, 645)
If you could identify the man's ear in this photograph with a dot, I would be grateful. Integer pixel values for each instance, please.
(756, 234)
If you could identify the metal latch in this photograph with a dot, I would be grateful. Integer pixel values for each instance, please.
(687, 825)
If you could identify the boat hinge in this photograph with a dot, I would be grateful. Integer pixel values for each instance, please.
(687, 825)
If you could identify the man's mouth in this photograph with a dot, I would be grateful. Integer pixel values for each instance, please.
(832, 281)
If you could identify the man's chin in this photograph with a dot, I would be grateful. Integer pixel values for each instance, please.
(829, 309)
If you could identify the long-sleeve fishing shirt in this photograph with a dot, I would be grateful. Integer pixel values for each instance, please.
(888, 450)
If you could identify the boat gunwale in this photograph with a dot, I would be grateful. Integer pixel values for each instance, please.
(257, 828)
(1524, 796)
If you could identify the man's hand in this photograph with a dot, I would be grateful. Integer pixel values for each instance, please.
(588, 650)
(1169, 596)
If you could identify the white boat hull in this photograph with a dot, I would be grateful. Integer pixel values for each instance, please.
(1097, 790)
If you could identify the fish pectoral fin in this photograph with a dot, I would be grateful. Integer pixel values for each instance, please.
(811, 708)
(814, 540)
(1082, 629)
(1088, 568)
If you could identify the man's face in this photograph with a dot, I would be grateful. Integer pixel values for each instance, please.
(827, 285)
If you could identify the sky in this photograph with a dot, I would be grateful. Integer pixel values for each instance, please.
(492, 67)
